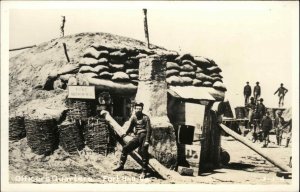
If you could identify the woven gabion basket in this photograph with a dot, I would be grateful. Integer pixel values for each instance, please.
(79, 109)
(16, 128)
(98, 136)
(71, 137)
(42, 135)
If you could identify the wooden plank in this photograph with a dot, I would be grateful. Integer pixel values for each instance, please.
(249, 144)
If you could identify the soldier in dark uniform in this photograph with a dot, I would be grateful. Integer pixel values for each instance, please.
(142, 131)
(256, 92)
(251, 108)
(281, 93)
(247, 93)
(278, 124)
(266, 126)
(261, 109)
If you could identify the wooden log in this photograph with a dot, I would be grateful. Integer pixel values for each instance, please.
(246, 142)
(66, 53)
(27, 47)
(146, 28)
(153, 163)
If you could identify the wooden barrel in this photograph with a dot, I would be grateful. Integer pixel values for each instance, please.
(16, 128)
(42, 135)
(240, 112)
(70, 137)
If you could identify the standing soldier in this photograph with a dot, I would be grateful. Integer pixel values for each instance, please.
(261, 109)
(281, 93)
(247, 93)
(289, 132)
(278, 124)
(266, 126)
(257, 91)
(141, 123)
(251, 108)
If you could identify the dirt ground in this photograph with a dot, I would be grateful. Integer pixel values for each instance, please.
(245, 167)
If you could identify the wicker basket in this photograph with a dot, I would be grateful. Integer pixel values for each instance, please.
(16, 128)
(80, 109)
(98, 136)
(42, 135)
(70, 137)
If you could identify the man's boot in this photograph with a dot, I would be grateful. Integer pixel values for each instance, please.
(120, 167)
(145, 168)
(277, 140)
(287, 142)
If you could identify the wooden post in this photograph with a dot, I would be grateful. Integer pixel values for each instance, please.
(62, 30)
(146, 28)
(66, 53)
(249, 144)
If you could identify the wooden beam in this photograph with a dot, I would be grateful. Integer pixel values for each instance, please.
(153, 163)
(146, 28)
(249, 144)
(27, 47)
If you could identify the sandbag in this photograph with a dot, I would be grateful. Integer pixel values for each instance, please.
(189, 63)
(99, 47)
(187, 80)
(69, 68)
(187, 67)
(103, 54)
(197, 82)
(212, 62)
(120, 77)
(116, 67)
(219, 86)
(217, 79)
(202, 62)
(105, 75)
(100, 68)
(216, 75)
(82, 79)
(207, 84)
(65, 77)
(58, 84)
(115, 87)
(91, 52)
(103, 61)
(172, 65)
(132, 71)
(134, 76)
(199, 70)
(88, 61)
(187, 56)
(171, 72)
(191, 74)
(117, 54)
(140, 56)
(72, 81)
(203, 77)
(214, 69)
(85, 69)
(90, 75)
(174, 80)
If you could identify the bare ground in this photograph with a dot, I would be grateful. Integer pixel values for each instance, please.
(245, 167)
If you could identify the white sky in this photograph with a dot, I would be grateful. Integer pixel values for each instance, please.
(250, 41)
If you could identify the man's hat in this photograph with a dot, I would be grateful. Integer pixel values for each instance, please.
(251, 98)
(261, 99)
(247, 82)
(281, 84)
(139, 104)
(257, 82)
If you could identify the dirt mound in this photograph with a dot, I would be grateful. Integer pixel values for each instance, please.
(29, 70)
